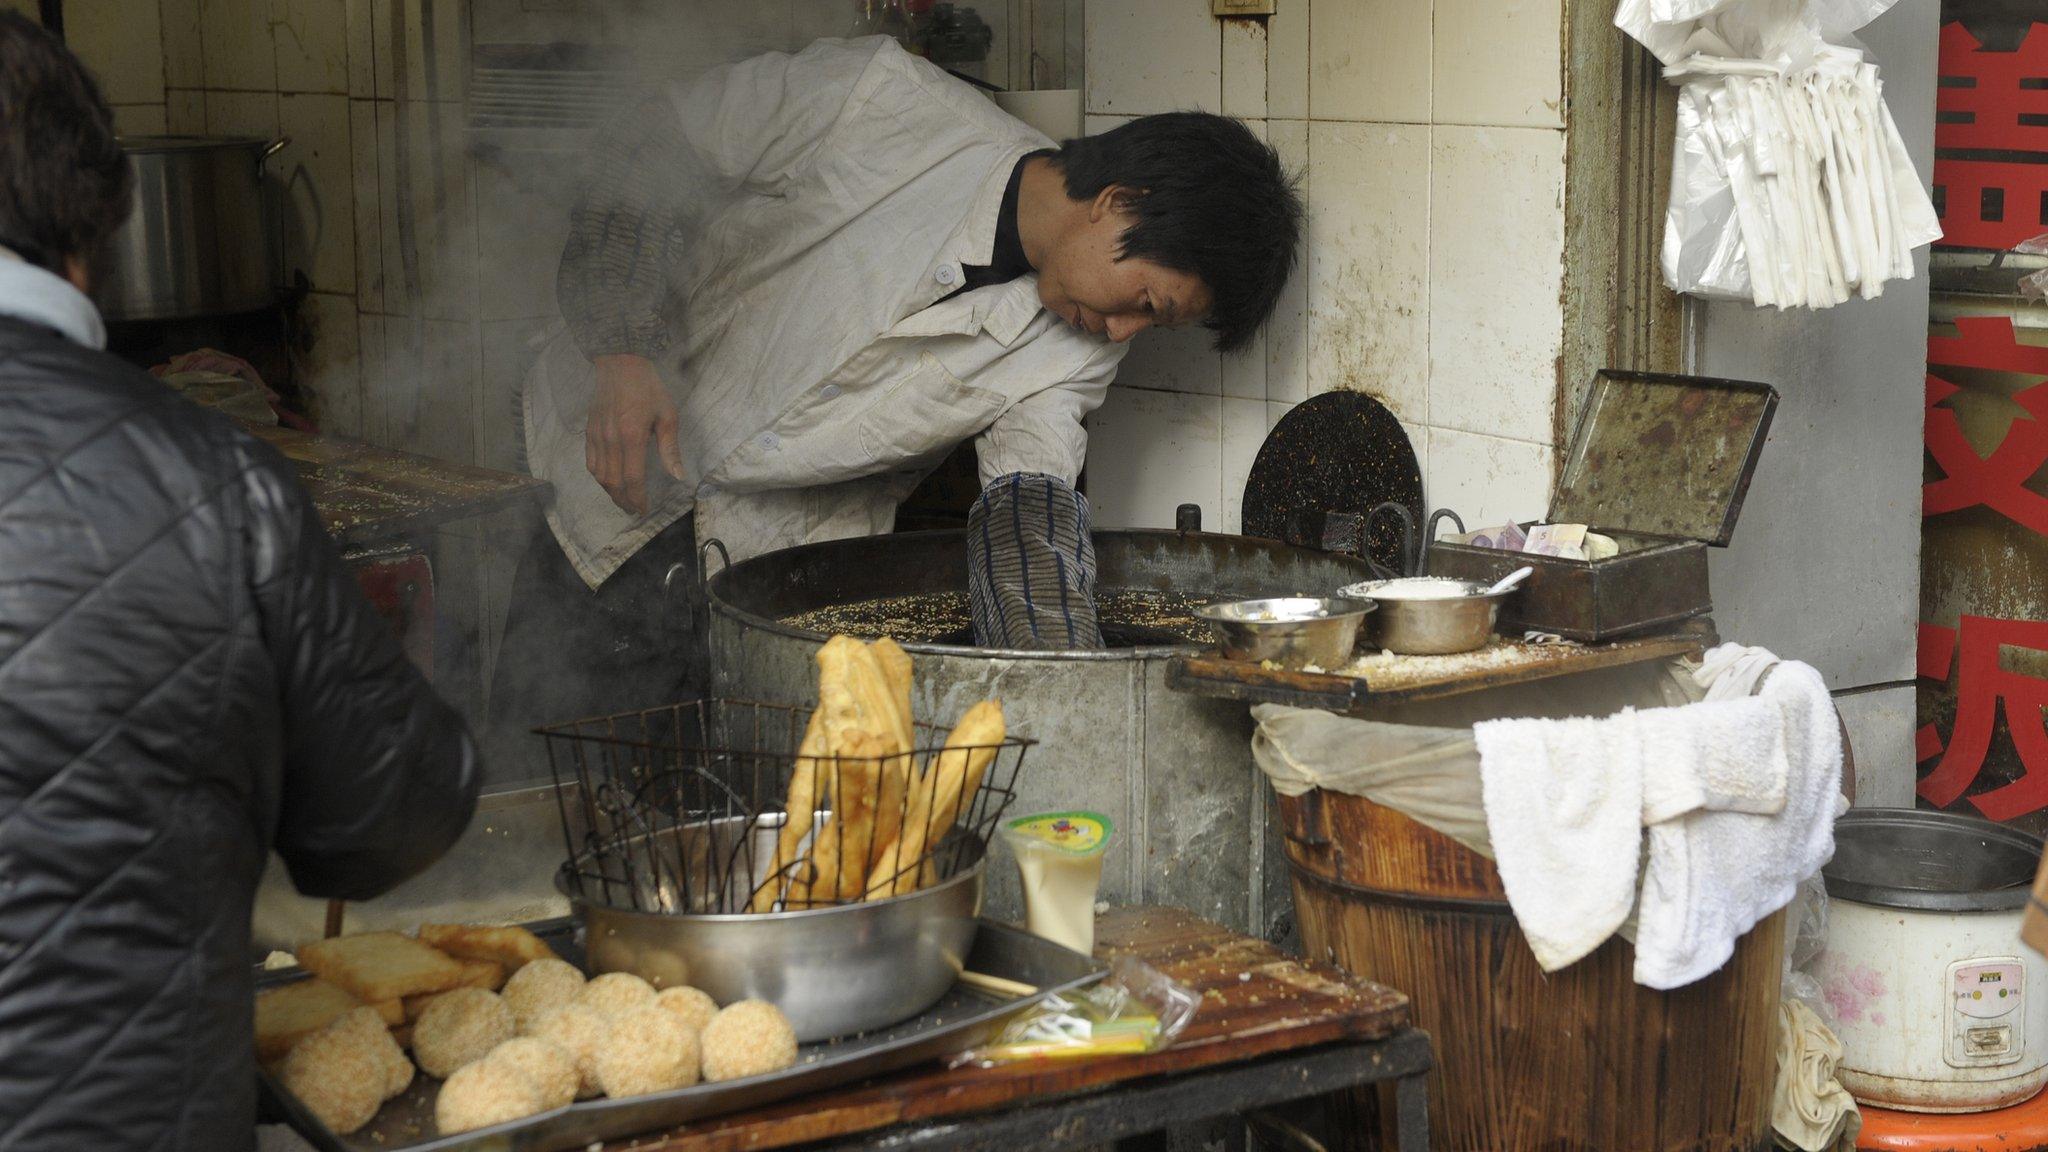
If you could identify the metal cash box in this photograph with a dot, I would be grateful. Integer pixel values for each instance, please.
(1661, 463)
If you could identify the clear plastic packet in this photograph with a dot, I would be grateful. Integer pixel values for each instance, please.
(1135, 1009)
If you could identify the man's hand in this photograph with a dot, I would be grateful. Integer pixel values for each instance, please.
(629, 407)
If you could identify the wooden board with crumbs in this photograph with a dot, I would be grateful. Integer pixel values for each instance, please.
(1256, 1001)
(1372, 682)
(368, 495)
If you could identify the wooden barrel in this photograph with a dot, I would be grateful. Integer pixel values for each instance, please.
(1580, 1060)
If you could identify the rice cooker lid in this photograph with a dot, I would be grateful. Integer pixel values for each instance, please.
(1930, 861)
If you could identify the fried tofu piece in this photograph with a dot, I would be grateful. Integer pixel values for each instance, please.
(380, 966)
(488, 975)
(508, 946)
(291, 1012)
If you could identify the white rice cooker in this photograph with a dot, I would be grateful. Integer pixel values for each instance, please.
(1938, 1005)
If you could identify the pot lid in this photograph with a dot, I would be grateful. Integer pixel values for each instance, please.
(1665, 456)
(1338, 452)
(1930, 861)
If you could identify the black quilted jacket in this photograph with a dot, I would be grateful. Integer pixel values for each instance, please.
(188, 679)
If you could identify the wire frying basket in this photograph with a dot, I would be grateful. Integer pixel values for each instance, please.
(682, 809)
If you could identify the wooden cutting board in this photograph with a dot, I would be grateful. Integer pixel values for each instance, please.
(1256, 1001)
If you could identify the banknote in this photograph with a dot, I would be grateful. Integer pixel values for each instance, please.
(1563, 540)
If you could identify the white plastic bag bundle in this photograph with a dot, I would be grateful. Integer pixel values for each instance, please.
(1791, 186)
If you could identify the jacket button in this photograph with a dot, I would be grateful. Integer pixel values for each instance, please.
(946, 275)
(770, 441)
(829, 392)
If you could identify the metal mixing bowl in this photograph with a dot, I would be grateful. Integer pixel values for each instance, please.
(833, 971)
(1293, 632)
(1433, 627)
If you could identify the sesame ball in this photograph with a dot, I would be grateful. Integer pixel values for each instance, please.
(750, 1038)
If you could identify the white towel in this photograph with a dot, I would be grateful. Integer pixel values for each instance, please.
(1564, 801)
(1712, 875)
(1738, 795)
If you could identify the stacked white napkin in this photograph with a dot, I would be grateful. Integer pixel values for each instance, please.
(1791, 186)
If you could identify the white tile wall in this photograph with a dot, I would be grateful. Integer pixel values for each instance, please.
(238, 50)
(1496, 274)
(1492, 66)
(122, 42)
(1487, 479)
(312, 39)
(1418, 439)
(139, 119)
(1287, 62)
(508, 352)
(241, 113)
(1368, 255)
(184, 44)
(1369, 60)
(185, 111)
(1147, 56)
(329, 369)
(1150, 452)
(315, 171)
(1286, 335)
(449, 389)
(379, 380)
(1244, 430)
(368, 208)
(444, 76)
(442, 200)
(362, 47)
(1244, 68)
(1177, 360)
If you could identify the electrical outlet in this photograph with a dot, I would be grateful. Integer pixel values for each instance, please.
(1241, 7)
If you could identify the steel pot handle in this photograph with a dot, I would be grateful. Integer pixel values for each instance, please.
(704, 552)
(269, 150)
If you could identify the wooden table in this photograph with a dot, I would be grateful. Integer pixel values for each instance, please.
(1271, 1030)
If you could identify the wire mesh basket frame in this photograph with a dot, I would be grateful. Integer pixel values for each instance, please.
(677, 808)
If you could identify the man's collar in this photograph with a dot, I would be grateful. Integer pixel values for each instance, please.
(975, 242)
(43, 297)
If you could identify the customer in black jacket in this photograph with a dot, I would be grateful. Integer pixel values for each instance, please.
(188, 679)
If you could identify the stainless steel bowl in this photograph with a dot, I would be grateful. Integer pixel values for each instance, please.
(1433, 627)
(833, 971)
(1293, 632)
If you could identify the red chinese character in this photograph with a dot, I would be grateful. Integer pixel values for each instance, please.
(2003, 90)
(1999, 481)
(2021, 188)
(1981, 687)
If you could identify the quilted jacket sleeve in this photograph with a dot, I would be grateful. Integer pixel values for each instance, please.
(380, 774)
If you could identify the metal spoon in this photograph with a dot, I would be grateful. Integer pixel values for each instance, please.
(1510, 580)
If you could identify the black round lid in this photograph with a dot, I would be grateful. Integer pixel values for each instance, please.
(1337, 452)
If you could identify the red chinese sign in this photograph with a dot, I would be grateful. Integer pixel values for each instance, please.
(1992, 102)
(1991, 171)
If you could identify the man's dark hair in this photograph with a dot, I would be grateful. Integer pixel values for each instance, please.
(64, 181)
(1210, 199)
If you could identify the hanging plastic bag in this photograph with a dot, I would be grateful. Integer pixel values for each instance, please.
(1791, 186)
(1137, 1009)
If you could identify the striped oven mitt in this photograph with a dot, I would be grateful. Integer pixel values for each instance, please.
(1031, 565)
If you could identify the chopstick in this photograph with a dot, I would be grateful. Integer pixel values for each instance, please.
(996, 985)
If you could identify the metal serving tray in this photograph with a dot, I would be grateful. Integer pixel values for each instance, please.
(961, 1020)
(1661, 463)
